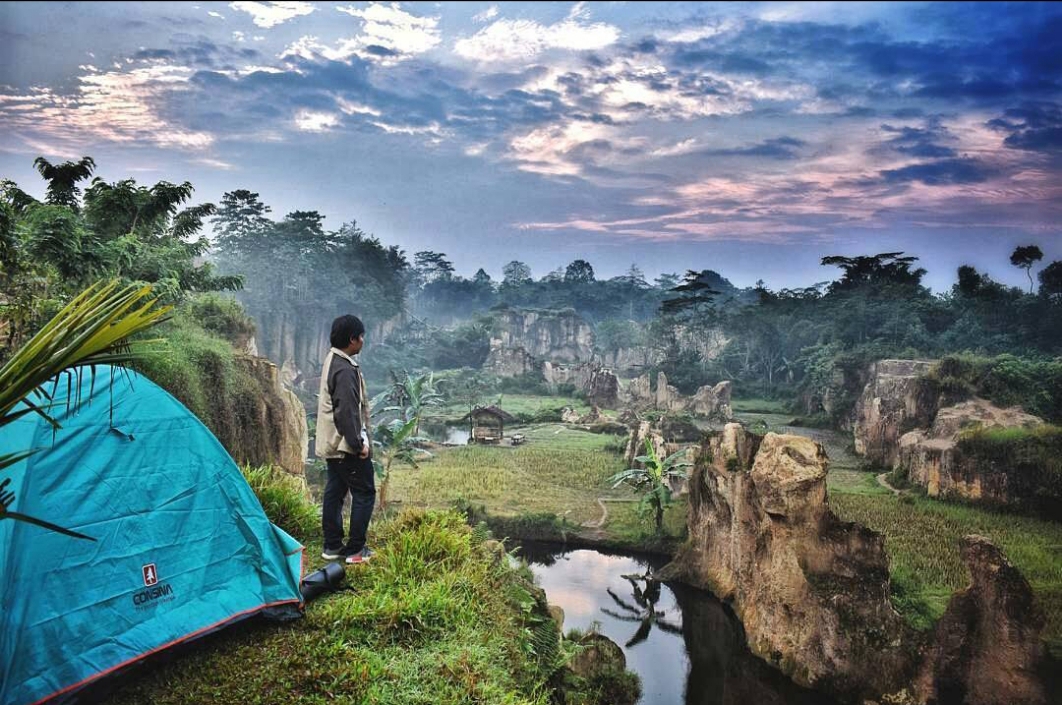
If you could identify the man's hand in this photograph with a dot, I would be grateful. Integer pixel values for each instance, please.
(364, 452)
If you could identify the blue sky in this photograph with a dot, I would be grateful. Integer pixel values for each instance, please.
(749, 138)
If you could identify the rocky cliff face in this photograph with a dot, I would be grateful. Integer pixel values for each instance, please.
(270, 426)
(987, 648)
(812, 591)
(558, 336)
(895, 400)
(708, 401)
(933, 459)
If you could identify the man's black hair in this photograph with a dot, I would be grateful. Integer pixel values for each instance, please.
(345, 329)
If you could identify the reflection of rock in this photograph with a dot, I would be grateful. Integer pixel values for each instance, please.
(811, 591)
(987, 646)
(933, 459)
(722, 670)
(604, 389)
(599, 669)
(895, 399)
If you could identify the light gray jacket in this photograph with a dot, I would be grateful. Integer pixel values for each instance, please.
(342, 408)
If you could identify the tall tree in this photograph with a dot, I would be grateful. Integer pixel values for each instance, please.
(1024, 258)
(515, 273)
(579, 272)
(63, 179)
(1051, 280)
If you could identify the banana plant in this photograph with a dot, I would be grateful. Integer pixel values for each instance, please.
(94, 328)
(392, 442)
(653, 480)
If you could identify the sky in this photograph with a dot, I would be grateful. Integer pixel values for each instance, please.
(749, 138)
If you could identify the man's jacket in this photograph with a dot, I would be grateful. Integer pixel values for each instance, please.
(342, 408)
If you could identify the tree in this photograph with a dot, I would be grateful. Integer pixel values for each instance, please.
(63, 179)
(94, 328)
(884, 268)
(1051, 280)
(579, 272)
(515, 273)
(432, 266)
(1024, 258)
(653, 480)
(695, 294)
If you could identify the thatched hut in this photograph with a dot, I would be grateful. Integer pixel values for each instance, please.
(488, 424)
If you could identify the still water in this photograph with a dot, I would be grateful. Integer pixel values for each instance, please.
(684, 644)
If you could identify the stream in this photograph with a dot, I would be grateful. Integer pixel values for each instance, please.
(686, 646)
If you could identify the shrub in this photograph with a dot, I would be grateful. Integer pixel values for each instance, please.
(284, 498)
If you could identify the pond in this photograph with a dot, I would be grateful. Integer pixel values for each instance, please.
(443, 433)
(687, 647)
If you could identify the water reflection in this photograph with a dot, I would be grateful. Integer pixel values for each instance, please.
(687, 647)
(441, 433)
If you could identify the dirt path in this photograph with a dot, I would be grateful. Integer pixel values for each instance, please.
(885, 483)
(604, 511)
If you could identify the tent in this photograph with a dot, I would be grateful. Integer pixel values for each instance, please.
(182, 545)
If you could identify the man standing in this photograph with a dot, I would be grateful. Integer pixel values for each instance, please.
(344, 442)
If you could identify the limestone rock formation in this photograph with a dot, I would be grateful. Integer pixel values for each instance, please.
(987, 648)
(272, 427)
(895, 400)
(933, 460)
(591, 417)
(636, 443)
(604, 389)
(577, 375)
(713, 402)
(509, 361)
(559, 336)
(812, 591)
(629, 417)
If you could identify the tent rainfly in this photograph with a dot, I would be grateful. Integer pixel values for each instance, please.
(182, 546)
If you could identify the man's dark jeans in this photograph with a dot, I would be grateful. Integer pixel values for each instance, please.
(355, 475)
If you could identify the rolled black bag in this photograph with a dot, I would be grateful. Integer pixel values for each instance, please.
(325, 580)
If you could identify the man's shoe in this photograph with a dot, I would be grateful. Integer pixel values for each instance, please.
(362, 556)
(333, 554)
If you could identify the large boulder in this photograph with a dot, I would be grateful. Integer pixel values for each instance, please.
(895, 400)
(713, 402)
(987, 648)
(812, 591)
(636, 443)
(638, 393)
(933, 459)
(604, 389)
(271, 427)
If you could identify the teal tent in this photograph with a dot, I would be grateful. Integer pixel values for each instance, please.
(182, 545)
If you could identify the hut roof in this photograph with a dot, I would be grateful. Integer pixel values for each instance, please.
(492, 411)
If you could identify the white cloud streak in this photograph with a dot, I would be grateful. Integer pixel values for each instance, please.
(270, 14)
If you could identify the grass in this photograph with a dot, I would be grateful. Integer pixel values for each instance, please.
(761, 406)
(436, 618)
(921, 538)
(560, 470)
(516, 404)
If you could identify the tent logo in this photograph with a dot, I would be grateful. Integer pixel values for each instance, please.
(150, 575)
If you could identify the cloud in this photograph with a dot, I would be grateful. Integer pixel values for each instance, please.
(489, 14)
(1036, 127)
(271, 14)
(942, 172)
(521, 40)
(388, 35)
(112, 106)
(314, 121)
(396, 30)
